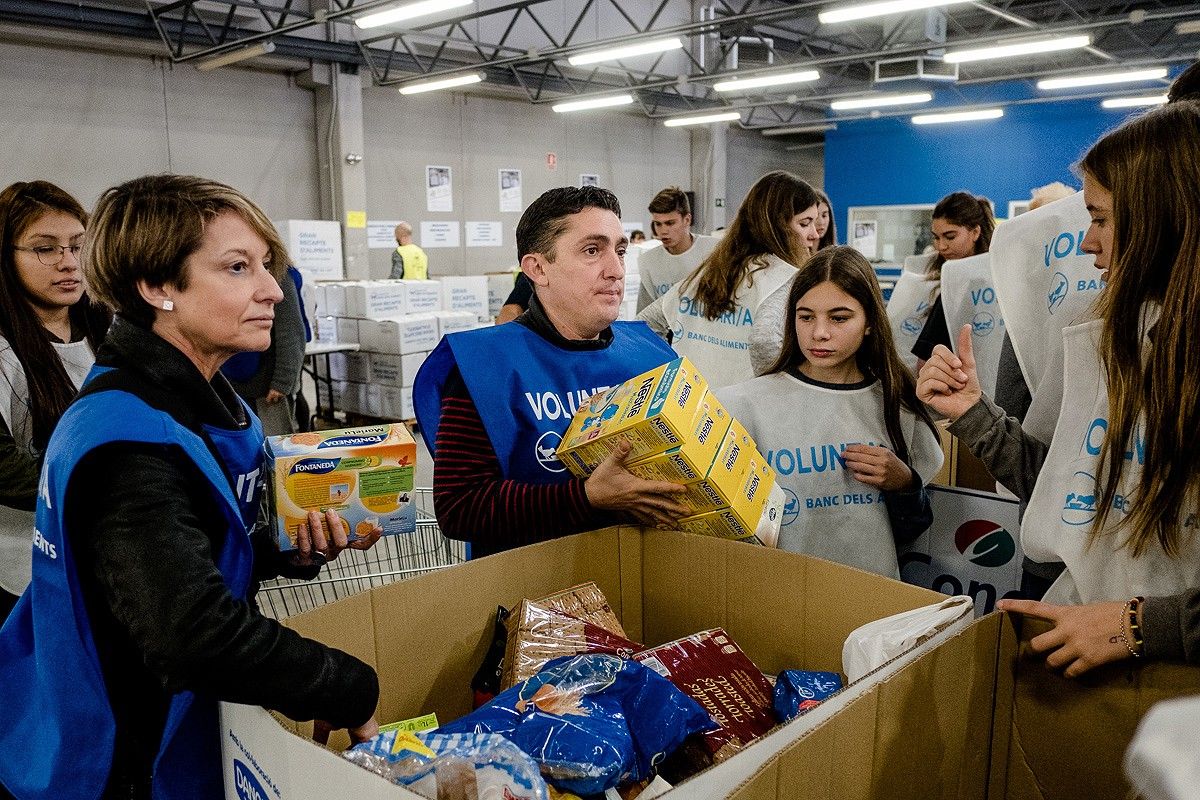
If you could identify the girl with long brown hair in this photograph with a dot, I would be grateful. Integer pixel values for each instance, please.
(709, 315)
(837, 417)
(1117, 497)
(962, 226)
(50, 335)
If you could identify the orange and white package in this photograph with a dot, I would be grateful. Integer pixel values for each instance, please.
(365, 474)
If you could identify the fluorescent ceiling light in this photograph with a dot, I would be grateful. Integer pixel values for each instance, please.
(724, 116)
(1129, 76)
(743, 84)
(958, 116)
(879, 100)
(444, 83)
(1018, 49)
(1187, 27)
(788, 131)
(234, 56)
(629, 51)
(865, 10)
(1134, 102)
(409, 11)
(594, 102)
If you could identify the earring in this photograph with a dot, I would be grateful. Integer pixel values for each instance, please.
(168, 305)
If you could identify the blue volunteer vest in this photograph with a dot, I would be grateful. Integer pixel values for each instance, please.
(56, 725)
(526, 388)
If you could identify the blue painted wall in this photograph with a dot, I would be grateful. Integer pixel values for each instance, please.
(891, 161)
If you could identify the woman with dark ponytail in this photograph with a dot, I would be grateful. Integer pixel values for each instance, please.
(962, 227)
(50, 335)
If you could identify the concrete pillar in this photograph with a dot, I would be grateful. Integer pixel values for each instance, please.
(709, 176)
(717, 176)
(338, 99)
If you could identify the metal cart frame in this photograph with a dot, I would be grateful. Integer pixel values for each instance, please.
(392, 559)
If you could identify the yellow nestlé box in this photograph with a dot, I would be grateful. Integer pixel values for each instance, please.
(689, 462)
(739, 482)
(365, 474)
(652, 411)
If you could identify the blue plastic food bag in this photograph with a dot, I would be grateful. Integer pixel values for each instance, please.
(797, 690)
(591, 721)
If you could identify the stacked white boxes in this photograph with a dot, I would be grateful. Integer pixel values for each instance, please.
(469, 294)
(396, 323)
(499, 287)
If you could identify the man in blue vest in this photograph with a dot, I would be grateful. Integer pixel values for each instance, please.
(493, 403)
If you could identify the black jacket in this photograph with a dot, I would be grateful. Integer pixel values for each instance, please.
(145, 528)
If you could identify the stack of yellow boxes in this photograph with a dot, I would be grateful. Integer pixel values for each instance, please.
(678, 432)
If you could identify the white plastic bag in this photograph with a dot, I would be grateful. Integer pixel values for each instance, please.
(872, 645)
(1163, 760)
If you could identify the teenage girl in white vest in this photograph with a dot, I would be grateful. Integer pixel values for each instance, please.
(838, 418)
(48, 336)
(708, 316)
(1117, 497)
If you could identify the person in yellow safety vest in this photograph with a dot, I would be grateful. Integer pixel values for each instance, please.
(409, 260)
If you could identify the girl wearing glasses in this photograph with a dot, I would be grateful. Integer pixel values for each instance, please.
(50, 333)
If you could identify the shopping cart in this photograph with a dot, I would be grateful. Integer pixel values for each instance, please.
(392, 559)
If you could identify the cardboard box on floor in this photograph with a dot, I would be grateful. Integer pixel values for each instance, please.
(978, 717)
(427, 636)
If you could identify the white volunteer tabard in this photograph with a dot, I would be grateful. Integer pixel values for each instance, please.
(972, 548)
(1044, 281)
(906, 313)
(1062, 510)
(802, 430)
(720, 348)
(968, 296)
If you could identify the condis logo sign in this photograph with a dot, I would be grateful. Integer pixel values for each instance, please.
(984, 543)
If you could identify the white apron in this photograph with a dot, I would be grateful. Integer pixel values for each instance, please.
(906, 312)
(968, 296)
(1044, 281)
(720, 348)
(16, 526)
(659, 270)
(1058, 523)
(802, 430)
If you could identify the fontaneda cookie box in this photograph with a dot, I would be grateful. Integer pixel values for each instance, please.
(366, 474)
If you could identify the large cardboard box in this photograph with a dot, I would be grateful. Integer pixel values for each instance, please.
(427, 636)
(977, 718)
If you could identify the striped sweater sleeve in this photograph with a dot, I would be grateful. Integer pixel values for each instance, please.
(474, 502)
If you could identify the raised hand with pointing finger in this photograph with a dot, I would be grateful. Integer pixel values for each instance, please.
(948, 383)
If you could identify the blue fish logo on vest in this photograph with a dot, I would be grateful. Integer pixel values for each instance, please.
(1079, 505)
(248, 787)
(544, 450)
(985, 543)
(911, 325)
(1058, 292)
(791, 507)
(677, 332)
(982, 324)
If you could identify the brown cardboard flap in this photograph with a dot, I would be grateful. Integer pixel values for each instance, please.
(834, 763)
(1069, 736)
(934, 727)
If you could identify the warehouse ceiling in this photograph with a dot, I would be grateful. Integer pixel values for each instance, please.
(524, 45)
